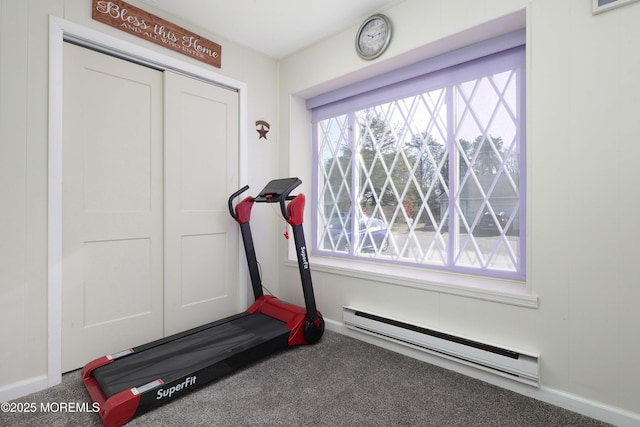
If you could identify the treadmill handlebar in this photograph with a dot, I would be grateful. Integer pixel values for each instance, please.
(293, 183)
(295, 210)
(233, 196)
(243, 210)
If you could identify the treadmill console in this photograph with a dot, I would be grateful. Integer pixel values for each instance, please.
(277, 189)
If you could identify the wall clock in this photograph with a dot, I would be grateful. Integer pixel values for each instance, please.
(373, 36)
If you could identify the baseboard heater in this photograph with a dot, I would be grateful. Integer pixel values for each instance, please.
(500, 361)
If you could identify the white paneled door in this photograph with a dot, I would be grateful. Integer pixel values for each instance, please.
(146, 249)
(201, 162)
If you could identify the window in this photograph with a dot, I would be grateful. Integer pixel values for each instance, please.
(427, 171)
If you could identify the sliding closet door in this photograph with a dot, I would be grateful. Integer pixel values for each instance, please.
(112, 271)
(201, 171)
(149, 248)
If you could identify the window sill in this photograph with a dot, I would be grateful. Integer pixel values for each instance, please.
(482, 288)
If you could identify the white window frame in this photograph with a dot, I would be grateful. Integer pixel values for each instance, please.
(600, 6)
(420, 276)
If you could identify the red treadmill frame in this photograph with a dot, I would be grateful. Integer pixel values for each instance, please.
(121, 407)
(293, 315)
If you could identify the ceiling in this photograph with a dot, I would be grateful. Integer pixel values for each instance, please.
(275, 27)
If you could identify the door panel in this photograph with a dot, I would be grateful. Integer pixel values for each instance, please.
(112, 268)
(201, 239)
(201, 280)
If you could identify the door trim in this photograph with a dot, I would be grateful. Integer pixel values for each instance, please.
(59, 31)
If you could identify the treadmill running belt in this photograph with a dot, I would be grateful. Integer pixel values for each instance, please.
(189, 354)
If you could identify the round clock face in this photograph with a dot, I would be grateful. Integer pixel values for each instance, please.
(373, 36)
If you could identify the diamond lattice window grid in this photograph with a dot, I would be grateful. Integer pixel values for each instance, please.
(432, 178)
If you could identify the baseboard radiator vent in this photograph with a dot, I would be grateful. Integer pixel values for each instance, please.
(500, 361)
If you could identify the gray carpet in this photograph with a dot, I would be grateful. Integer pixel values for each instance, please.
(338, 382)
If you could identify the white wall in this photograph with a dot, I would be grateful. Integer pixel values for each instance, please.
(582, 149)
(24, 76)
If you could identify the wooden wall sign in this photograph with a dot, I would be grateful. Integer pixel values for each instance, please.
(136, 21)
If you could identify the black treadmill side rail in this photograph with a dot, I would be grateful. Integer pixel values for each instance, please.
(278, 191)
(314, 325)
(305, 272)
(252, 262)
(242, 215)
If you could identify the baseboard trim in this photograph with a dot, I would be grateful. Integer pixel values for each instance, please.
(22, 388)
(571, 402)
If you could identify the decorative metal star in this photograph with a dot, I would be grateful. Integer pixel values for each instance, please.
(263, 132)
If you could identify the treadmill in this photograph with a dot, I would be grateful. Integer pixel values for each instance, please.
(130, 382)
